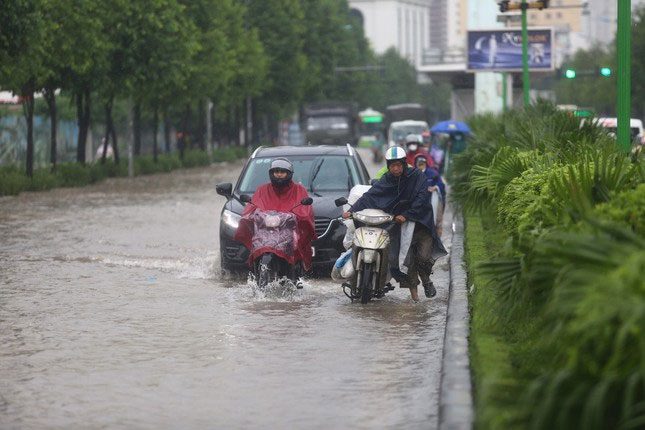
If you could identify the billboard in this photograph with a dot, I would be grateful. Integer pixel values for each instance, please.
(501, 50)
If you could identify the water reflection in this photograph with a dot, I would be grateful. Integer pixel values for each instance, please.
(114, 313)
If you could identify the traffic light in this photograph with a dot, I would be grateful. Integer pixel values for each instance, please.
(569, 73)
(541, 4)
(605, 71)
(506, 5)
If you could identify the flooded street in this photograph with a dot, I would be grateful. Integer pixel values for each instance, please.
(114, 314)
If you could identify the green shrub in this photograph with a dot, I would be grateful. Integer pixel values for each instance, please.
(195, 157)
(145, 165)
(566, 296)
(113, 170)
(43, 180)
(595, 378)
(73, 175)
(12, 181)
(98, 172)
(168, 162)
(627, 208)
(228, 153)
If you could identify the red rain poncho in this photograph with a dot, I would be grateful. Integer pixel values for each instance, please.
(266, 198)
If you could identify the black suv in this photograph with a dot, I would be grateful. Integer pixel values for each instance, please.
(327, 172)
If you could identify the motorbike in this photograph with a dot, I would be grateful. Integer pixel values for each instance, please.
(276, 234)
(370, 254)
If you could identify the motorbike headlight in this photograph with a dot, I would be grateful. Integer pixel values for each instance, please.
(272, 221)
(231, 219)
(372, 220)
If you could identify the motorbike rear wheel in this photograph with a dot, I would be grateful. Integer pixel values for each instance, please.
(366, 281)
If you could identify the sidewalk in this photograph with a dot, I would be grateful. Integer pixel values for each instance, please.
(455, 398)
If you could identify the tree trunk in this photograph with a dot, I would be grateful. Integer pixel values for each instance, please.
(155, 126)
(115, 147)
(166, 131)
(199, 126)
(188, 136)
(136, 120)
(106, 138)
(28, 110)
(237, 125)
(83, 115)
(50, 98)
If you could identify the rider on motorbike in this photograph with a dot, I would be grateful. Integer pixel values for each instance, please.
(415, 245)
(414, 145)
(283, 195)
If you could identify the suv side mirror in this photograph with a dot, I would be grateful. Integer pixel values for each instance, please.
(340, 201)
(225, 189)
(245, 198)
(306, 201)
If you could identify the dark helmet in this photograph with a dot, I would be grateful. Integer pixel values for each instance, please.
(281, 164)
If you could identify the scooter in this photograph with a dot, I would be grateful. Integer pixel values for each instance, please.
(275, 233)
(370, 254)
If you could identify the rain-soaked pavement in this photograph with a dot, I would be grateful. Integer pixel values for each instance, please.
(114, 314)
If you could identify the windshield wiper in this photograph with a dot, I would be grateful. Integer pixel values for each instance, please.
(313, 175)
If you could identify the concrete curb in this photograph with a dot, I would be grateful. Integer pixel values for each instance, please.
(455, 401)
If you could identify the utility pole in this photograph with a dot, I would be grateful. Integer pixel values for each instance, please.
(623, 105)
(505, 6)
(525, 56)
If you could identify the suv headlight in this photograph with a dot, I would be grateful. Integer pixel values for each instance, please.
(231, 219)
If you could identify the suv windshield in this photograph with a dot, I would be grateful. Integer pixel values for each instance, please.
(314, 172)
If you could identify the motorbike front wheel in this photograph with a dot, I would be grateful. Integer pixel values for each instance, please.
(266, 272)
(366, 281)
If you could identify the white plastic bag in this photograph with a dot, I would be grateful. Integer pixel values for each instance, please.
(343, 268)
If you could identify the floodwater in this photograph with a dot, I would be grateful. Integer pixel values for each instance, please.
(114, 314)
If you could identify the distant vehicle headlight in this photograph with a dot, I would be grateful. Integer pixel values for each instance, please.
(231, 219)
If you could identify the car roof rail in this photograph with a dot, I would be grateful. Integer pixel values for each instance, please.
(256, 151)
(350, 150)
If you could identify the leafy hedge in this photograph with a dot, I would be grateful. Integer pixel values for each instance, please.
(563, 294)
(13, 181)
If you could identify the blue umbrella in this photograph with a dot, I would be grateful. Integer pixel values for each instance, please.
(450, 127)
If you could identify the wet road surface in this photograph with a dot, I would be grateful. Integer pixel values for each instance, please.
(114, 314)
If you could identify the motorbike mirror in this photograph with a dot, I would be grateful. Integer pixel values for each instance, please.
(225, 189)
(306, 201)
(340, 201)
(245, 198)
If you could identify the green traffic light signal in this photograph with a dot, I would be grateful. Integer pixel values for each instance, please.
(605, 71)
(569, 73)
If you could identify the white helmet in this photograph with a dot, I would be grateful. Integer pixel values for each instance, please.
(413, 141)
(395, 153)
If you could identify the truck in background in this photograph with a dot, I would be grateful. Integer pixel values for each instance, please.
(329, 123)
(401, 119)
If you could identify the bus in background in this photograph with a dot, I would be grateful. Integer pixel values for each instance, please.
(371, 132)
(370, 126)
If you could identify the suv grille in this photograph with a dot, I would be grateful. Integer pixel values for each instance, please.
(321, 225)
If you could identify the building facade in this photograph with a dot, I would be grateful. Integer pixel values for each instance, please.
(400, 24)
